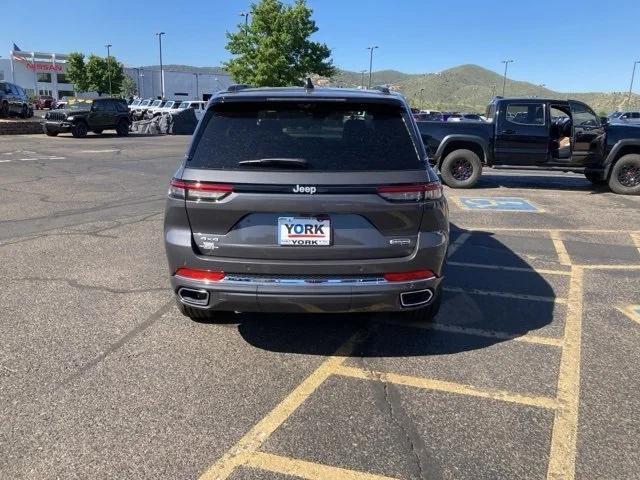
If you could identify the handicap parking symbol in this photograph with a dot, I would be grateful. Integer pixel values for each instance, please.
(497, 204)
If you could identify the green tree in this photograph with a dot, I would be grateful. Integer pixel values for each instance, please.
(102, 72)
(129, 87)
(77, 72)
(275, 49)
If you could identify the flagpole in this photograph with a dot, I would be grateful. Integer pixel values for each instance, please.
(35, 74)
(13, 75)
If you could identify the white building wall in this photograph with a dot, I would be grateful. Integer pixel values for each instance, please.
(177, 85)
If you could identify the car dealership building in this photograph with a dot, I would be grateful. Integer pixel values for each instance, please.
(42, 73)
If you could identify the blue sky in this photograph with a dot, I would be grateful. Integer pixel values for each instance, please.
(568, 45)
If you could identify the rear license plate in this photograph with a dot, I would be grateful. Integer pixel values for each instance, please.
(311, 232)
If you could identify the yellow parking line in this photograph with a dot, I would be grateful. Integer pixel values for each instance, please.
(561, 250)
(527, 229)
(510, 269)
(562, 457)
(609, 267)
(254, 438)
(636, 240)
(480, 332)
(449, 387)
(517, 296)
(307, 470)
(632, 311)
(458, 243)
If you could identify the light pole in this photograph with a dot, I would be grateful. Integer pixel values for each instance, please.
(633, 74)
(246, 17)
(109, 65)
(493, 90)
(504, 79)
(421, 97)
(197, 89)
(362, 72)
(371, 49)
(159, 35)
(141, 81)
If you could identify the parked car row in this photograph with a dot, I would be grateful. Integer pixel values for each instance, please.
(436, 116)
(146, 109)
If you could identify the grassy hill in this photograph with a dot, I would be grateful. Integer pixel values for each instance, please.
(470, 87)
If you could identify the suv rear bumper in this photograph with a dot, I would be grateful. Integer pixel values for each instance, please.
(305, 297)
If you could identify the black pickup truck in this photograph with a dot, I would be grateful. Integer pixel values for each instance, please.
(536, 134)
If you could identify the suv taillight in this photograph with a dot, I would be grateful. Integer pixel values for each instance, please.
(194, 190)
(411, 193)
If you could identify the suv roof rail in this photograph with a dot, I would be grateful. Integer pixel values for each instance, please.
(382, 89)
(237, 87)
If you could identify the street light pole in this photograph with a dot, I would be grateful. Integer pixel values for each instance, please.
(197, 86)
(246, 17)
(371, 49)
(504, 78)
(109, 65)
(159, 34)
(362, 72)
(421, 97)
(633, 74)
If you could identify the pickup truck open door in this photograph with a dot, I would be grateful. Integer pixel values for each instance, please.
(586, 130)
(522, 134)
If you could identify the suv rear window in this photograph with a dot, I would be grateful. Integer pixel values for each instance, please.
(330, 136)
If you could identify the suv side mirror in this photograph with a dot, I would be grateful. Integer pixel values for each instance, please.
(604, 120)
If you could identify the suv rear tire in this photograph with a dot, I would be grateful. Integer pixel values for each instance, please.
(196, 314)
(80, 130)
(461, 169)
(122, 129)
(425, 314)
(50, 133)
(625, 175)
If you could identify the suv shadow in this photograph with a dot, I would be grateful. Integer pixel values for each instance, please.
(494, 179)
(388, 335)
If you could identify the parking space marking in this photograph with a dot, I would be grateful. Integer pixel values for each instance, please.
(510, 269)
(636, 240)
(561, 249)
(449, 387)
(496, 204)
(240, 453)
(517, 296)
(562, 455)
(458, 243)
(479, 332)
(631, 311)
(526, 229)
(100, 151)
(307, 470)
(610, 267)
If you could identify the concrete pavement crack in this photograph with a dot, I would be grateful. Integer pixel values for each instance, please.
(75, 284)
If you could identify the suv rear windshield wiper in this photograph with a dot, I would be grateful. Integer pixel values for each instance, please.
(276, 162)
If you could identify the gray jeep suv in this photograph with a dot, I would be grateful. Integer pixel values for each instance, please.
(306, 200)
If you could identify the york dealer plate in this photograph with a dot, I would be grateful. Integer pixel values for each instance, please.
(310, 232)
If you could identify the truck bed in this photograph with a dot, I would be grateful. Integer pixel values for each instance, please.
(434, 132)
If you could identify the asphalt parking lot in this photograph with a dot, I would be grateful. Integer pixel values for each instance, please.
(530, 371)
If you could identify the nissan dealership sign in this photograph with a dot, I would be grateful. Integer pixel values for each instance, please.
(40, 66)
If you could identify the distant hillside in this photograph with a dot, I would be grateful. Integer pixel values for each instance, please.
(469, 88)
(187, 69)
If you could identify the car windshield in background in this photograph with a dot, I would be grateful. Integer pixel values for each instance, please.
(145, 103)
(156, 103)
(79, 103)
(183, 105)
(325, 135)
(136, 103)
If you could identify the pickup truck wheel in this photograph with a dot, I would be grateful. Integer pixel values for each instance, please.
(625, 175)
(595, 178)
(4, 109)
(461, 169)
(80, 130)
(122, 129)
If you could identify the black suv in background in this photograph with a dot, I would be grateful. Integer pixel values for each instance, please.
(14, 101)
(83, 115)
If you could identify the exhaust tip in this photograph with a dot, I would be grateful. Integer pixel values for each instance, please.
(193, 296)
(416, 297)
